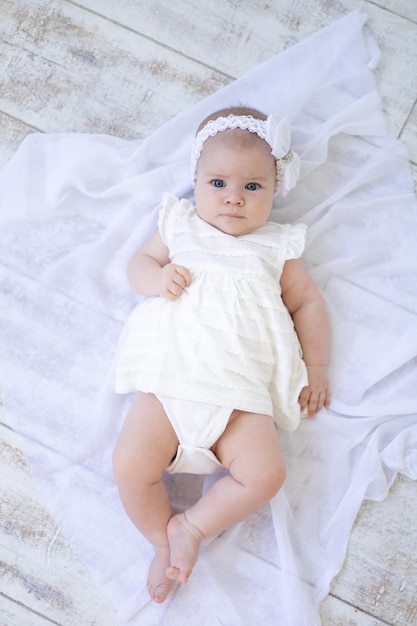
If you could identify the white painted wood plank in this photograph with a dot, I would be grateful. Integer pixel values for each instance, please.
(66, 69)
(12, 133)
(380, 572)
(14, 614)
(404, 8)
(233, 39)
(335, 612)
(37, 567)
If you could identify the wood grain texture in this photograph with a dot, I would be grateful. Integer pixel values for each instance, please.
(379, 575)
(336, 612)
(64, 68)
(37, 566)
(403, 8)
(14, 614)
(12, 133)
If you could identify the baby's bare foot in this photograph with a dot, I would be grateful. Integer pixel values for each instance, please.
(158, 584)
(184, 540)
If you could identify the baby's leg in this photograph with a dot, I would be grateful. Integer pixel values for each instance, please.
(145, 447)
(249, 448)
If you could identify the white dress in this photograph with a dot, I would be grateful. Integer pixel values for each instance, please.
(229, 339)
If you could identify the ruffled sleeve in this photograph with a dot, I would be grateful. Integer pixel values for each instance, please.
(296, 241)
(170, 215)
(167, 217)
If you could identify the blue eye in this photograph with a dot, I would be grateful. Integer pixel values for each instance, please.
(252, 186)
(217, 182)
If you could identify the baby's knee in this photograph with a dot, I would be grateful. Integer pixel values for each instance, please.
(125, 468)
(131, 470)
(268, 480)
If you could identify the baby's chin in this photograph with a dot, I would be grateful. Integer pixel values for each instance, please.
(233, 226)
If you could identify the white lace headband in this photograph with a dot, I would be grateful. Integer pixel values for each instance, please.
(276, 132)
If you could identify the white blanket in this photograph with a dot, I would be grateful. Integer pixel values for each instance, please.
(74, 207)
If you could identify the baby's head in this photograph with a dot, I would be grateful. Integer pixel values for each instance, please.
(235, 171)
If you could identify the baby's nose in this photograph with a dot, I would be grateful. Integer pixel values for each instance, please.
(233, 197)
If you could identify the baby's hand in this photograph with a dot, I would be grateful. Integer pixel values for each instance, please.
(317, 394)
(173, 279)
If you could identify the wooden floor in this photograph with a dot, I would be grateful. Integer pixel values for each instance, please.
(124, 67)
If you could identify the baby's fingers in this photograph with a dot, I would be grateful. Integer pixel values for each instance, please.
(315, 403)
(185, 274)
(175, 279)
(313, 400)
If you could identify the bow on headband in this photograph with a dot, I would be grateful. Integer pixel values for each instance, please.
(276, 132)
(278, 136)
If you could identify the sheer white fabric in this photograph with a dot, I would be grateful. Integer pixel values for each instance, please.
(73, 209)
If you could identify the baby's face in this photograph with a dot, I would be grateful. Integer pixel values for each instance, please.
(235, 188)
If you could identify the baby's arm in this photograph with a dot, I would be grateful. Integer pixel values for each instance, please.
(150, 272)
(306, 306)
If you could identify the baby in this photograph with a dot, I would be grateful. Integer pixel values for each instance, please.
(233, 343)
